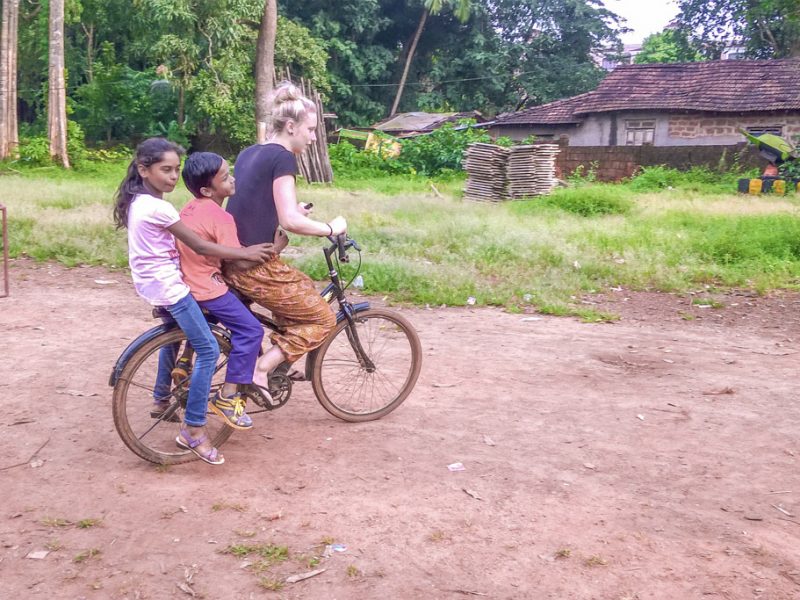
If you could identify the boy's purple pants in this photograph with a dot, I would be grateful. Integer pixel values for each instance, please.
(246, 335)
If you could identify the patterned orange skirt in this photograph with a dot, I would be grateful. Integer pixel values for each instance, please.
(294, 302)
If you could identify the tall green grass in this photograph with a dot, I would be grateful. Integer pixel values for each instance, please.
(424, 249)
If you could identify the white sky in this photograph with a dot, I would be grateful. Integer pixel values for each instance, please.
(643, 16)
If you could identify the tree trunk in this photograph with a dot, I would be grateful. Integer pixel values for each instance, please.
(13, 120)
(89, 32)
(4, 79)
(181, 104)
(8, 79)
(57, 96)
(410, 57)
(265, 67)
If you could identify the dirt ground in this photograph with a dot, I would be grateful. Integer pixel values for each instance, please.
(651, 458)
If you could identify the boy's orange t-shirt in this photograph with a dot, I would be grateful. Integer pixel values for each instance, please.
(203, 273)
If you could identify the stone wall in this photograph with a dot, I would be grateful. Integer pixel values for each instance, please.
(613, 163)
(694, 126)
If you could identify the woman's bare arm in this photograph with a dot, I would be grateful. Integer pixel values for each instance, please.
(292, 218)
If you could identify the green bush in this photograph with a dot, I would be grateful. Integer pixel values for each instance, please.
(696, 179)
(34, 151)
(590, 201)
(355, 163)
(443, 149)
(76, 143)
(790, 170)
(435, 154)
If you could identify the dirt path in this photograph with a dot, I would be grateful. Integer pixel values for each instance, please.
(653, 458)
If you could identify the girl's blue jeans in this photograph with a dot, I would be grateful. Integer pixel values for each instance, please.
(191, 320)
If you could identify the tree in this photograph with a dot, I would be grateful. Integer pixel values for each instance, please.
(9, 137)
(265, 67)
(551, 45)
(361, 38)
(768, 28)
(461, 9)
(57, 87)
(669, 46)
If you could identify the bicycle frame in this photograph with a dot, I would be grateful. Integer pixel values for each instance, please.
(347, 310)
(333, 291)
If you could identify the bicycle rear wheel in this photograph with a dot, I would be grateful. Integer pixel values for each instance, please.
(356, 390)
(153, 438)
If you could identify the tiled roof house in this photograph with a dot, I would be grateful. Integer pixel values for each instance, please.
(687, 104)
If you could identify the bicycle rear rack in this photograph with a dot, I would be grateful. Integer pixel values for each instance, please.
(3, 217)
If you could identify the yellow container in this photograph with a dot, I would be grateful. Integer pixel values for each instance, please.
(779, 187)
(755, 186)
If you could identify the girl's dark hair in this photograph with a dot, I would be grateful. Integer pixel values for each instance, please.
(199, 171)
(149, 152)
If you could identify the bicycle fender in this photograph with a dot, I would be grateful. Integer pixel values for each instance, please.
(357, 308)
(144, 338)
(134, 346)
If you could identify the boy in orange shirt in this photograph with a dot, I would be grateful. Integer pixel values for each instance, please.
(208, 177)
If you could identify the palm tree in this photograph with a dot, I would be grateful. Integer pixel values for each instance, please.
(57, 95)
(265, 67)
(461, 9)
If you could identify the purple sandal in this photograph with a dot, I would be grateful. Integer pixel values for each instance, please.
(187, 442)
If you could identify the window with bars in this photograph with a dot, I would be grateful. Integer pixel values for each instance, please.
(639, 132)
(762, 129)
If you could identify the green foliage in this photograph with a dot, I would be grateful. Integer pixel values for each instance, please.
(424, 249)
(120, 103)
(658, 178)
(76, 143)
(790, 170)
(669, 46)
(184, 68)
(435, 154)
(590, 201)
(441, 150)
(355, 163)
(767, 28)
(34, 150)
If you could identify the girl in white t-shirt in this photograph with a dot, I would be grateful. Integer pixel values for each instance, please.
(152, 222)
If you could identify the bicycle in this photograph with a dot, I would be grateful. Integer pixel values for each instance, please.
(364, 370)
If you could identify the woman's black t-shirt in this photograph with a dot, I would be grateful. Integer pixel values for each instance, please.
(253, 204)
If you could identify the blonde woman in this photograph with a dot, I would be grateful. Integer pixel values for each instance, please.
(266, 198)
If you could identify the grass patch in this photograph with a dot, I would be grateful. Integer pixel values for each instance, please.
(586, 201)
(223, 505)
(423, 249)
(595, 561)
(88, 523)
(86, 555)
(353, 571)
(707, 303)
(268, 552)
(271, 584)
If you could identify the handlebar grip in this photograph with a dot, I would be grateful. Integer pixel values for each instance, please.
(340, 242)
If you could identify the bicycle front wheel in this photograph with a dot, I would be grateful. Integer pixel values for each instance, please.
(149, 436)
(356, 387)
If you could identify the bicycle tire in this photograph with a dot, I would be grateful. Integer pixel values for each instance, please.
(348, 390)
(153, 439)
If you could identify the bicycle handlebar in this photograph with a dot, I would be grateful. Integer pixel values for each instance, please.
(341, 243)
